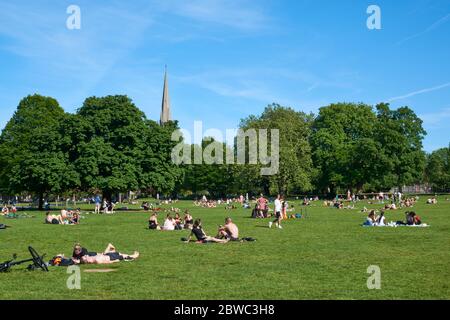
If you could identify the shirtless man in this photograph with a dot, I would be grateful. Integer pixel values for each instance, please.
(229, 231)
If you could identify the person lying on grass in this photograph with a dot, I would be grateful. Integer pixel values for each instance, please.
(53, 219)
(79, 252)
(229, 231)
(110, 255)
(68, 218)
(201, 236)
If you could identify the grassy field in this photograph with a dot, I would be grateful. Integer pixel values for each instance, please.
(325, 256)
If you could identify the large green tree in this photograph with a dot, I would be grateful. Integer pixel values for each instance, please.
(438, 169)
(117, 149)
(345, 151)
(32, 156)
(158, 172)
(400, 133)
(295, 164)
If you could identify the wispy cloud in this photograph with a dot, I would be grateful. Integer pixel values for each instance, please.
(436, 119)
(239, 14)
(435, 25)
(422, 91)
(287, 87)
(39, 34)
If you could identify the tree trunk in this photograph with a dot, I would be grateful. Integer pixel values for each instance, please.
(107, 195)
(41, 201)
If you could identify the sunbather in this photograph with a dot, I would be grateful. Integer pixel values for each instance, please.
(53, 219)
(201, 236)
(110, 255)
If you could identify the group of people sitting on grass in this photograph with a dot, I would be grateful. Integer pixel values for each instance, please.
(409, 202)
(81, 255)
(171, 223)
(67, 217)
(432, 200)
(339, 204)
(374, 220)
(226, 233)
(8, 210)
(207, 203)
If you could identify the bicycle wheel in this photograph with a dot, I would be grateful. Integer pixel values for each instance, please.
(37, 259)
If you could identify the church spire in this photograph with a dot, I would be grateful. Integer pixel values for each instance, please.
(165, 108)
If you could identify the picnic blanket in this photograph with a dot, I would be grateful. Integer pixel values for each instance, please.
(395, 225)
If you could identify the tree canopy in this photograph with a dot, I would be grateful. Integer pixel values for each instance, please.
(32, 156)
(109, 146)
(438, 169)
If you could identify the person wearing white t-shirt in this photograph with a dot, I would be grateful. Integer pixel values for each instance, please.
(381, 220)
(169, 224)
(278, 213)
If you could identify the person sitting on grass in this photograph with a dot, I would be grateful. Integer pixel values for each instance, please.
(229, 231)
(53, 219)
(110, 255)
(178, 222)
(75, 218)
(256, 212)
(64, 214)
(5, 210)
(391, 206)
(305, 202)
(412, 219)
(381, 220)
(371, 219)
(432, 201)
(188, 220)
(201, 236)
(169, 223)
(153, 222)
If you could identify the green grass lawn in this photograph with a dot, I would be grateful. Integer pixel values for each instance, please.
(325, 256)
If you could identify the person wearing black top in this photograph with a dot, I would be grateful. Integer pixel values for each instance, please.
(79, 252)
(201, 236)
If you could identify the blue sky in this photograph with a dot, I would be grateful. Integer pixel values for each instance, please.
(228, 59)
